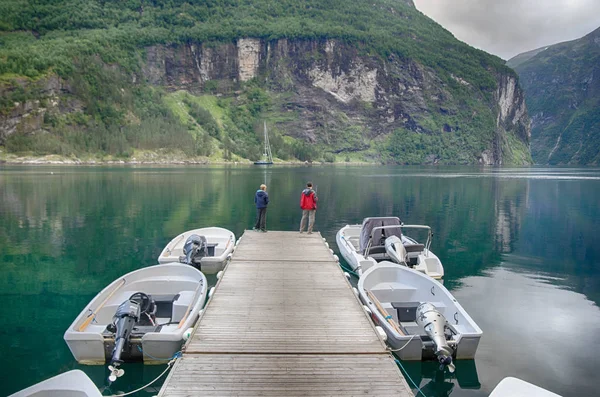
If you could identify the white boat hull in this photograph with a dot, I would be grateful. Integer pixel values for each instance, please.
(184, 284)
(347, 239)
(219, 239)
(514, 387)
(400, 290)
(70, 384)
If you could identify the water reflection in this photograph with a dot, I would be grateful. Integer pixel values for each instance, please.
(520, 248)
(532, 330)
(436, 382)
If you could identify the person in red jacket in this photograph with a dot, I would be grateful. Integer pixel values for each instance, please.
(308, 203)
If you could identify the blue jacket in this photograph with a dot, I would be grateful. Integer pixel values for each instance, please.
(261, 199)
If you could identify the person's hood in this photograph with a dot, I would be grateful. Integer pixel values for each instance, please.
(260, 192)
(307, 192)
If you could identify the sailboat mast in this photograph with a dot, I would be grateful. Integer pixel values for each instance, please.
(269, 147)
(265, 152)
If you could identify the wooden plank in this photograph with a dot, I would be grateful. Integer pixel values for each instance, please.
(291, 246)
(285, 375)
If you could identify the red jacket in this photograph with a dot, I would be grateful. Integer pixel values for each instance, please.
(308, 200)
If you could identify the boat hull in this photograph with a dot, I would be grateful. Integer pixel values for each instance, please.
(399, 290)
(515, 387)
(184, 286)
(347, 239)
(69, 384)
(222, 241)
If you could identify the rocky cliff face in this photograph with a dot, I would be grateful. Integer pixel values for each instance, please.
(562, 83)
(512, 118)
(330, 86)
(41, 100)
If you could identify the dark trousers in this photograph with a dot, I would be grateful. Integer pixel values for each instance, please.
(261, 219)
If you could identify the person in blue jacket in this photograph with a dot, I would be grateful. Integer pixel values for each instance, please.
(261, 199)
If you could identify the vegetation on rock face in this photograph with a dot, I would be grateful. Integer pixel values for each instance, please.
(105, 106)
(563, 98)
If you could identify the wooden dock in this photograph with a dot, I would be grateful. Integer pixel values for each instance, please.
(284, 322)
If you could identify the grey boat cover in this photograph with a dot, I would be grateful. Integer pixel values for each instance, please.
(370, 223)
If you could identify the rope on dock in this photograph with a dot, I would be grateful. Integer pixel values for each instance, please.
(406, 373)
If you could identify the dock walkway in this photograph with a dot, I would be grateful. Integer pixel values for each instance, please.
(284, 322)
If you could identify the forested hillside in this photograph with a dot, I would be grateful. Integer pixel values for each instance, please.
(562, 83)
(335, 81)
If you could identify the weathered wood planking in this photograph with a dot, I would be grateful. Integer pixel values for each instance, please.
(286, 375)
(284, 322)
(286, 246)
(283, 307)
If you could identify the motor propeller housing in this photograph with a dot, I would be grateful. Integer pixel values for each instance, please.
(395, 249)
(435, 324)
(127, 315)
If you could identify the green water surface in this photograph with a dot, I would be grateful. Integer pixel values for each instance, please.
(520, 248)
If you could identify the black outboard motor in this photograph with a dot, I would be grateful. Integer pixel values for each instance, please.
(125, 318)
(194, 249)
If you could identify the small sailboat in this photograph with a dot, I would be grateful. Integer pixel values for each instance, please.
(267, 158)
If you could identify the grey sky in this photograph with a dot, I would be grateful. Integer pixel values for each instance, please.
(509, 27)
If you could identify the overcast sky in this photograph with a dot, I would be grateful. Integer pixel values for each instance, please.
(509, 27)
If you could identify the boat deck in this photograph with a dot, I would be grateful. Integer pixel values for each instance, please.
(284, 322)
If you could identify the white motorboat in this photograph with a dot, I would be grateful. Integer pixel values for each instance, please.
(140, 316)
(382, 238)
(514, 387)
(70, 384)
(208, 249)
(420, 317)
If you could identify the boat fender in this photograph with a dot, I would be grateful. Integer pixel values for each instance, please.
(219, 275)
(187, 334)
(381, 333)
(366, 309)
(337, 258)
(355, 291)
(326, 244)
(330, 250)
(211, 292)
(324, 239)
(347, 275)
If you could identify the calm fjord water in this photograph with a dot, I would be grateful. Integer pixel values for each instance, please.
(520, 247)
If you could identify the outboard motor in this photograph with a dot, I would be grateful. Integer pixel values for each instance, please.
(395, 249)
(125, 318)
(434, 324)
(194, 249)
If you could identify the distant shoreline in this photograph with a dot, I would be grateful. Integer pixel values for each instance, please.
(58, 160)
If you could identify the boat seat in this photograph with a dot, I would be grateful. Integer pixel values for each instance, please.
(180, 304)
(392, 291)
(210, 249)
(378, 249)
(407, 311)
(414, 248)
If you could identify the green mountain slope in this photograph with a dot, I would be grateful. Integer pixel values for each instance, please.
(523, 57)
(85, 76)
(563, 97)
